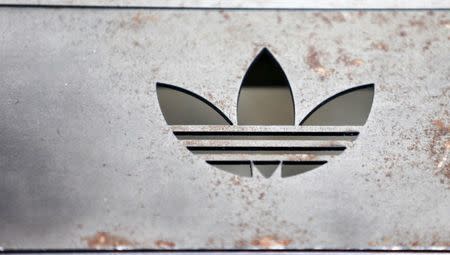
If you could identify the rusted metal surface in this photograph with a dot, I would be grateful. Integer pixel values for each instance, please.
(88, 162)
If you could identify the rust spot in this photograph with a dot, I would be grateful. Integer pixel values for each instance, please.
(440, 243)
(427, 45)
(235, 180)
(417, 23)
(439, 148)
(240, 244)
(136, 43)
(348, 61)
(155, 70)
(211, 241)
(402, 34)
(338, 17)
(313, 61)
(225, 15)
(324, 18)
(165, 244)
(261, 195)
(330, 18)
(380, 46)
(349, 76)
(379, 18)
(103, 240)
(445, 23)
(271, 242)
(137, 19)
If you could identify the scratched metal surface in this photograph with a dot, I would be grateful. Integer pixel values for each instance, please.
(87, 160)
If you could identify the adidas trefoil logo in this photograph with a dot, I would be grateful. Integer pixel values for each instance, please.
(265, 99)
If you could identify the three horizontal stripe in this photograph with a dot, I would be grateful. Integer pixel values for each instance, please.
(235, 144)
(237, 148)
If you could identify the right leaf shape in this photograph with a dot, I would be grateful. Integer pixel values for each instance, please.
(182, 107)
(265, 96)
(347, 108)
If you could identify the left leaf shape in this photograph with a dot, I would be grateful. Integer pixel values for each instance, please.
(182, 107)
(265, 96)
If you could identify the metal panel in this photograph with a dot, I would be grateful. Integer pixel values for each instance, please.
(88, 161)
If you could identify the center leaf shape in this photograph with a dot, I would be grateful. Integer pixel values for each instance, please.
(265, 96)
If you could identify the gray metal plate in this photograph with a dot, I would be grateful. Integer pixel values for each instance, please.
(88, 161)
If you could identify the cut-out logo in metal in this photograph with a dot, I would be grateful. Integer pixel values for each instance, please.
(265, 98)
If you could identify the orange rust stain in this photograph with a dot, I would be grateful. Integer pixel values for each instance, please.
(137, 19)
(380, 46)
(417, 23)
(440, 125)
(103, 240)
(165, 244)
(235, 180)
(348, 61)
(313, 61)
(270, 242)
(445, 23)
(439, 147)
(440, 243)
